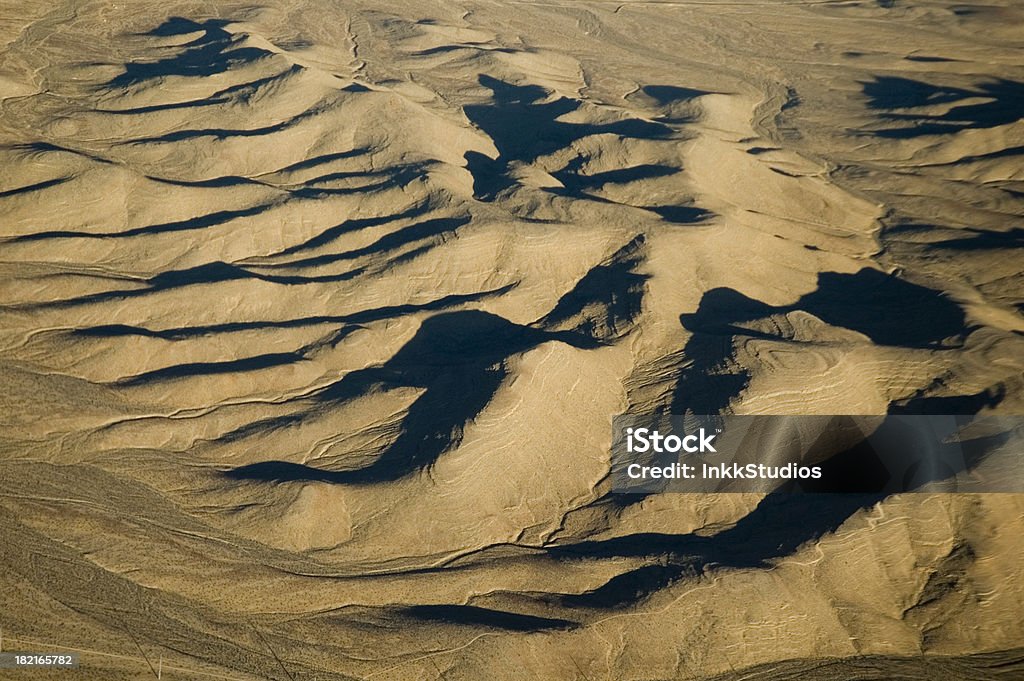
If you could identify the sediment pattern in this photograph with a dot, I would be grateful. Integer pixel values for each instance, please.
(315, 316)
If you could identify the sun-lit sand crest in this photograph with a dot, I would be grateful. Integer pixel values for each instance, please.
(315, 316)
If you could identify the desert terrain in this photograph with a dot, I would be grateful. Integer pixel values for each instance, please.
(314, 317)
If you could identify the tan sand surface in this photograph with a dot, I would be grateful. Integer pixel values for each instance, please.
(314, 316)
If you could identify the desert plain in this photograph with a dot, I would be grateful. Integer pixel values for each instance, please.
(314, 317)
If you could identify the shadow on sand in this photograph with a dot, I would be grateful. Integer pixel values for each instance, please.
(1002, 103)
(456, 358)
(886, 309)
(524, 126)
(784, 520)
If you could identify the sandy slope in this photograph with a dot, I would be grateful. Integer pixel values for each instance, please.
(315, 314)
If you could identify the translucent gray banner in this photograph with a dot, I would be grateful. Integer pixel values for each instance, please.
(799, 454)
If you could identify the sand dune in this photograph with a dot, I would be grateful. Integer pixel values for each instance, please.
(315, 316)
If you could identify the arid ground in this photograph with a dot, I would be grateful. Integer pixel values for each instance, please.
(314, 316)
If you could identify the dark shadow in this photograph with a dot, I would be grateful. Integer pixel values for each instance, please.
(678, 104)
(779, 525)
(929, 60)
(444, 49)
(321, 160)
(212, 368)
(785, 520)
(981, 240)
(33, 187)
(885, 308)
(681, 215)
(362, 317)
(394, 174)
(672, 94)
(485, 617)
(575, 182)
(524, 127)
(629, 587)
(331, 233)
(215, 51)
(1004, 104)
(709, 382)
(209, 183)
(47, 147)
(240, 92)
(201, 222)
(489, 175)
(390, 242)
(210, 273)
(222, 271)
(235, 366)
(310, 189)
(951, 404)
(605, 302)
(457, 358)
(222, 133)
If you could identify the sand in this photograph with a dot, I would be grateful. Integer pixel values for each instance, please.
(314, 317)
